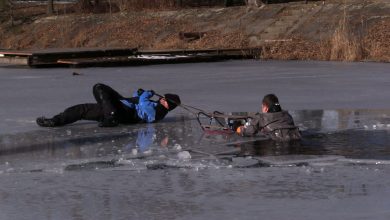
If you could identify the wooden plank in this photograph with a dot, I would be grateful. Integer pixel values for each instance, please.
(244, 52)
(137, 61)
(13, 60)
(124, 56)
(85, 51)
(184, 51)
(15, 53)
(68, 61)
(50, 57)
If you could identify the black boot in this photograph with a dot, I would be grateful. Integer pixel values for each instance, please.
(108, 122)
(45, 122)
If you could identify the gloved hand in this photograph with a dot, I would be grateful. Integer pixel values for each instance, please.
(239, 130)
(234, 124)
(140, 91)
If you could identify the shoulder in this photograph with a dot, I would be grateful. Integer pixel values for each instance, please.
(285, 114)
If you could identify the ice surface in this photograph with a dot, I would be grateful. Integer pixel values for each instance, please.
(234, 86)
(340, 171)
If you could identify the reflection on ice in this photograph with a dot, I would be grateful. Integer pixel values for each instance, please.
(335, 120)
(179, 142)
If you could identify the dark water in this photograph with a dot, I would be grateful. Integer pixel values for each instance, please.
(358, 134)
(355, 134)
(143, 171)
(357, 144)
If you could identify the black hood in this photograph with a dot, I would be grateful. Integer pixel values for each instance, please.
(161, 111)
(173, 100)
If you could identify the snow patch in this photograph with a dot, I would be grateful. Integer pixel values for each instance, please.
(184, 155)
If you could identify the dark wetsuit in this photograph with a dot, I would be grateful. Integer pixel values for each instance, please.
(111, 104)
(278, 126)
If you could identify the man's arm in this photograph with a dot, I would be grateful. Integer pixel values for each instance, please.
(249, 129)
(146, 95)
(138, 92)
(136, 96)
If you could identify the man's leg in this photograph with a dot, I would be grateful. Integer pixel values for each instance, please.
(128, 116)
(108, 98)
(72, 114)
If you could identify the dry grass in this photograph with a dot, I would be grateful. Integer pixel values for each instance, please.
(161, 31)
(211, 40)
(345, 45)
(131, 30)
(376, 41)
(297, 49)
(131, 5)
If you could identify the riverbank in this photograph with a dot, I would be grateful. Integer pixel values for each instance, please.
(330, 30)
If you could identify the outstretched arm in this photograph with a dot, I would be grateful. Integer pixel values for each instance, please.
(146, 108)
(135, 99)
(249, 129)
(138, 92)
(146, 95)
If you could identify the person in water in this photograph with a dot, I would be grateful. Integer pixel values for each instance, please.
(112, 108)
(273, 122)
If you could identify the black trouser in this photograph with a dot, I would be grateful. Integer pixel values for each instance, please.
(108, 105)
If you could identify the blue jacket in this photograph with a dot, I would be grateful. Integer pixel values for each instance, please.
(146, 109)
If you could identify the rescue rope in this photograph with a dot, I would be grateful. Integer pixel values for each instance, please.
(214, 116)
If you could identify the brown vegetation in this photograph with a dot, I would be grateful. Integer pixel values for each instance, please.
(154, 29)
(377, 41)
(136, 5)
(346, 44)
(296, 49)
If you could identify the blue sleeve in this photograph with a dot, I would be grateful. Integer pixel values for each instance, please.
(146, 109)
(146, 96)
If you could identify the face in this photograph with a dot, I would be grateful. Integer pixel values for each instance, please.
(164, 103)
(264, 108)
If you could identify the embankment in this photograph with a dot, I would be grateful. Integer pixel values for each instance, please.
(320, 30)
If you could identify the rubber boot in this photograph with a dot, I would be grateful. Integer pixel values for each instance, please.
(45, 122)
(108, 122)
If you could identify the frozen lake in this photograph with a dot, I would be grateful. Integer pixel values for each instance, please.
(173, 170)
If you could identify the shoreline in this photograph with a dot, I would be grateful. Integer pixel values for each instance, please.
(334, 31)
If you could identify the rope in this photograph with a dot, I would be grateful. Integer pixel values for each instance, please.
(185, 107)
(198, 112)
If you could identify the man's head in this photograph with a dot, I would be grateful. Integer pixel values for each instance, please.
(270, 104)
(170, 101)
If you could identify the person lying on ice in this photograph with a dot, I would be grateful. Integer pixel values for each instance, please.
(273, 122)
(112, 108)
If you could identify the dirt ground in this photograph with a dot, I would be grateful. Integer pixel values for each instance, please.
(320, 30)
